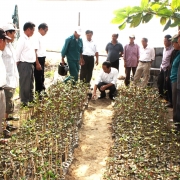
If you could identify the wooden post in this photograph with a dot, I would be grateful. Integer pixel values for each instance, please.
(79, 19)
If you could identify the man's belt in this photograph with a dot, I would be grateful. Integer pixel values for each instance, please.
(145, 61)
(88, 55)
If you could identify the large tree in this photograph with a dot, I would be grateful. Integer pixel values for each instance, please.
(169, 13)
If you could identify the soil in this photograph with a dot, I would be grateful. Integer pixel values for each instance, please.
(95, 139)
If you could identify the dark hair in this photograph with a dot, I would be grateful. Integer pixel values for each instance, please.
(89, 32)
(43, 26)
(28, 25)
(117, 35)
(168, 37)
(107, 64)
(145, 39)
(10, 31)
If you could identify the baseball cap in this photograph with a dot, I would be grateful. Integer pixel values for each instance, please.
(174, 38)
(3, 35)
(78, 30)
(9, 26)
(132, 36)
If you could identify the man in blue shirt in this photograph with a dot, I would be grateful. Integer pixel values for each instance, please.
(72, 50)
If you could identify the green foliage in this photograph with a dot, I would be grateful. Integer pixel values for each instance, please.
(136, 15)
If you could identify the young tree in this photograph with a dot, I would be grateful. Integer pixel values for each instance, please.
(169, 13)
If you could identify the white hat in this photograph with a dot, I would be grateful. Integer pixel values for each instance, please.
(9, 26)
(132, 36)
(78, 30)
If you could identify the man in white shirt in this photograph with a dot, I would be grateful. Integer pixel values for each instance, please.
(3, 38)
(89, 51)
(26, 57)
(12, 75)
(40, 58)
(147, 55)
(106, 81)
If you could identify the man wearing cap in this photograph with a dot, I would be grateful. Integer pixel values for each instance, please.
(72, 50)
(12, 75)
(131, 58)
(114, 51)
(89, 51)
(175, 79)
(3, 38)
(40, 58)
(26, 57)
(147, 55)
(163, 85)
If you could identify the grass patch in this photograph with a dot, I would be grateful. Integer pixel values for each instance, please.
(49, 74)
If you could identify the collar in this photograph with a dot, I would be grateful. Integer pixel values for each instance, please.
(116, 42)
(26, 37)
(131, 44)
(169, 48)
(89, 41)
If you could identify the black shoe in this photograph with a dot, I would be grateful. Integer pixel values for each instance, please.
(6, 134)
(112, 98)
(12, 119)
(101, 97)
(169, 105)
(11, 127)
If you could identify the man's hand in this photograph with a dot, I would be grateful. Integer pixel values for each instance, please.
(62, 61)
(81, 62)
(94, 95)
(97, 62)
(38, 66)
(103, 88)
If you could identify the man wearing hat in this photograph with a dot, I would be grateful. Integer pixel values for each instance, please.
(12, 75)
(72, 50)
(3, 39)
(175, 79)
(131, 58)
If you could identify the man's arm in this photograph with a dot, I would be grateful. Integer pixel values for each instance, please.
(97, 58)
(121, 51)
(124, 56)
(38, 66)
(106, 49)
(98, 80)
(81, 62)
(19, 49)
(152, 55)
(64, 50)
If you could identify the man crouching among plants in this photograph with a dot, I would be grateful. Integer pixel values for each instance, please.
(106, 81)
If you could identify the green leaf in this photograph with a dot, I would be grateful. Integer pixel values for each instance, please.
(155, 7)
(122, 26)
(144, 3)
(147, 18)
(175, 4)
(163, 20)
(34, 149)
(119, 19)
(136, 9)
(167, 25)
(165, 12)
(136, 20)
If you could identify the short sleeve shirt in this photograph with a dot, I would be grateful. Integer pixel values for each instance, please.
(114, 51)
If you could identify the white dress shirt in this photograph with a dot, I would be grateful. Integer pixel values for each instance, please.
(89, 48)
(2, 71)
(40, 45)
(9, 59)
(108, 78)
(25, 50)
(147, 54)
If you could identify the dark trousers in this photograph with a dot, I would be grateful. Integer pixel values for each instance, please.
(73, 68)
(39, 75)
(164, 86)
(115, 64)
(177, 113)
(128, 73)
(87, 69)
(112, 89)
(174, 100)
(26, 81)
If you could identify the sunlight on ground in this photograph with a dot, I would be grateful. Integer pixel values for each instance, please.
(81, 171)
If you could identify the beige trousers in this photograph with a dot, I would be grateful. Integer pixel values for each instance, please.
(142, 69)
(2, 108)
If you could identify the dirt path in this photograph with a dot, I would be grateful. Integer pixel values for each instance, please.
(95, 139)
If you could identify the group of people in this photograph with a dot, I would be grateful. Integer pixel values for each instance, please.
(25, 64)
(20, 66)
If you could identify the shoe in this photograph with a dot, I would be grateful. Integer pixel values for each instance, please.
(11, 127)
(112, 98)
(169, 105)
(101, 97)
(6, 134)
(12, 119)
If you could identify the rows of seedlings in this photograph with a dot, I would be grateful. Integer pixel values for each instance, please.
(43, 147)
(145, 146)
